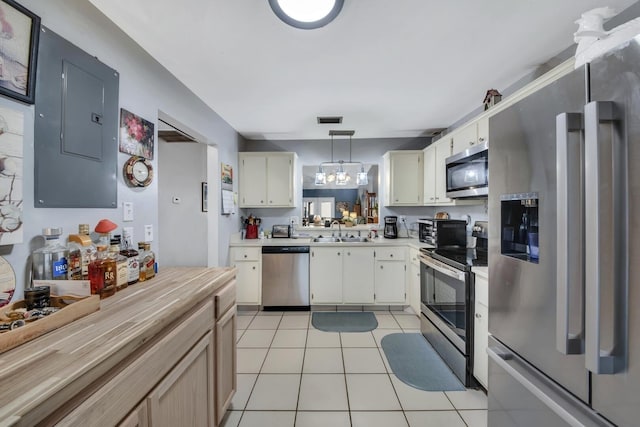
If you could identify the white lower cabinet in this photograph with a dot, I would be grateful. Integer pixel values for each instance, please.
(481, 331)
(357, 275)
(389, 277)
(248, 262)
(413, 281)
(325, 275)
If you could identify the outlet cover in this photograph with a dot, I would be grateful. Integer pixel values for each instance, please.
(148, 233)
(127, 235)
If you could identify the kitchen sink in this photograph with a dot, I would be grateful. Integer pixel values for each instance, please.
(354, 239)
(326, 239)
(351, 239)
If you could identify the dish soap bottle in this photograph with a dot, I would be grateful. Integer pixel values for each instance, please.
(50, 261)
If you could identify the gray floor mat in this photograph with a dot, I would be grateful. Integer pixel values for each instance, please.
(337, 321)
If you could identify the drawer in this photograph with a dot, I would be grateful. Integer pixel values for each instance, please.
(392, 253)
(225, 299)
(482, 290)
(246, 254)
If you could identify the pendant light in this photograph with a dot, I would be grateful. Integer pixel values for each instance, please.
(340, 176)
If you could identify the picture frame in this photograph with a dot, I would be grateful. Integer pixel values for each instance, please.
(19, 35)
(205, 197)
(137, 135)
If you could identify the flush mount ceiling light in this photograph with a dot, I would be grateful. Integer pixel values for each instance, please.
(306, 14)
(340, 176)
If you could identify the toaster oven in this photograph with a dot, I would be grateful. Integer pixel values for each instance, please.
(442, 232)
(281, 231)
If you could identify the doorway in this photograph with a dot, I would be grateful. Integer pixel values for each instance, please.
(188, 225)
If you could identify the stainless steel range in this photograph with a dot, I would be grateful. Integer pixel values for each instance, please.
(447, 300)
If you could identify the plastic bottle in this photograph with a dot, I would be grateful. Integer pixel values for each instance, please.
(50, 262)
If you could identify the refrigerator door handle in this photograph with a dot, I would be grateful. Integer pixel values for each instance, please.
(536, 385)
(606, 216)
(570, 232)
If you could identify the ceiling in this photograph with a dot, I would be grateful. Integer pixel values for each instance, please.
(391, 68)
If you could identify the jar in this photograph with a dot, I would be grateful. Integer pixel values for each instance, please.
(37, 297)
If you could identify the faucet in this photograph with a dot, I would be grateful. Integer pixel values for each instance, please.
(339, 228)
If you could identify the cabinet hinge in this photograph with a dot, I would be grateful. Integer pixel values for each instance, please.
(374, 297)
(374, 254)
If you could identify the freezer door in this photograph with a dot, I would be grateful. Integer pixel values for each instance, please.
(613, 312)
(520, 396)
(522, 294)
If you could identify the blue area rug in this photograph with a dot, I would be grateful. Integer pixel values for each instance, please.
(344, 321)
(417, 364)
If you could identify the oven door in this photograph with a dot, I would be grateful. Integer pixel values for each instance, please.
(445, 297)
(468, 173)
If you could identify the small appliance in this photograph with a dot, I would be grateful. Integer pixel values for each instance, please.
(442, 232)
(281, 231)
(468, 173)
(391, 227)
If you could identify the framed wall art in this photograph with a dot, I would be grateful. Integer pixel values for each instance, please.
(136, 135)
(11, 176)
(19, 32)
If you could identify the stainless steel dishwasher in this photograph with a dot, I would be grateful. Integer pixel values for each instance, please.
(285, 277)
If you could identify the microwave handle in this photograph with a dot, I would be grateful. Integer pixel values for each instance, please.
(570, 232)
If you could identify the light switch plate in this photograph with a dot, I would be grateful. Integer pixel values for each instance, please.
(127, 211)
(148, 233)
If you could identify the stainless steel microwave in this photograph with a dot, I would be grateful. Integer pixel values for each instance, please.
(468, 173)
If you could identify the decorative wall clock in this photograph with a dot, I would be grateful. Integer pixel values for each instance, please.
(138, 172)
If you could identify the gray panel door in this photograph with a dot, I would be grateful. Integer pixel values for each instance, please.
(617, 396)
(522, 294)
(76, 128)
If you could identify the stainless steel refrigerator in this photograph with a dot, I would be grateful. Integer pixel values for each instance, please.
(564, 250)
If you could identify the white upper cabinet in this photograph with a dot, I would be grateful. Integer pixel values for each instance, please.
(266, 179)
(465, 137)
(435, 186)
(404, 178)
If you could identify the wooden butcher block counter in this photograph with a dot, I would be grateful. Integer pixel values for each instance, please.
(161, 352)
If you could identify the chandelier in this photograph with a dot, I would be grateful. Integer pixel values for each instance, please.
(339, 175)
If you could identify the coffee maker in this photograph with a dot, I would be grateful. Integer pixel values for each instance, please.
(391, 227)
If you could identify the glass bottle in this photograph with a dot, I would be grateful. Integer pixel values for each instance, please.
(122, 268)
(133, 264)
(82, 252)
(96, 272)
(147, 261)
(50, 261)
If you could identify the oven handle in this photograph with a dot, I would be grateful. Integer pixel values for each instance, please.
(442, 267)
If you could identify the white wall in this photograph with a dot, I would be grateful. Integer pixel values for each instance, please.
(145, 89)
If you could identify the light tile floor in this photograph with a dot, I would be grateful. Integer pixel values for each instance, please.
(293, 375)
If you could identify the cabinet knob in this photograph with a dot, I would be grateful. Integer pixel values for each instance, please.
(254, 267)
(261, 201)
(348, 253)
(437, 198)
(390, 255)
(481, 139)
(338, 253)
(471, 142)
(270, 202)
(430, 198)
(478, 315)
(381, 267)
(245, 255)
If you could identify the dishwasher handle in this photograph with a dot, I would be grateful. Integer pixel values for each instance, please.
(285, 249)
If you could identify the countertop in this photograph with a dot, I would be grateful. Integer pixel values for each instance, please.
(411, 242)
(48, 371)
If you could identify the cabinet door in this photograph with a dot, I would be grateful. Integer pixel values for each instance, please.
(480, 342)
(483, 130)
(442, 152)
(390, 282)
(280, 180)
(465, 137)
(406, 178)
(248, 282)
(139, 417)
(253, 185)
(430, 175)
(325, 273)
(225, 362)
(357, 275)
(186, 395)
(413, 281)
